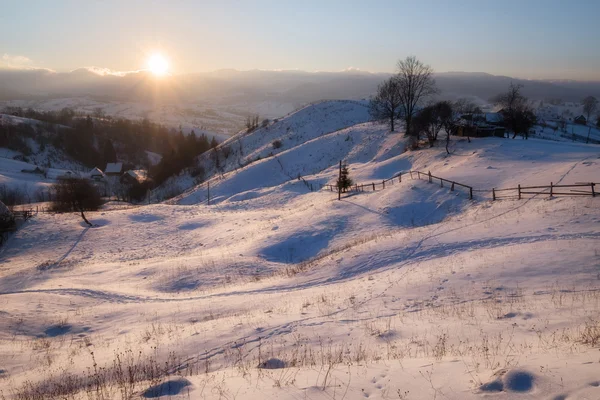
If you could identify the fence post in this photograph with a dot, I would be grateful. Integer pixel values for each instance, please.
(419, 174)
(373, 186)
(400, 177)
(452, 187)
(470, 193)
(429, 173)
(551, 189)
(519, 188)
(593, 192)
(441, 182)
(411, 177)
(493, 194)
(339, 182)
(383, 183)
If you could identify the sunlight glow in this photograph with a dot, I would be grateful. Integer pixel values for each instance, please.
(158, 64)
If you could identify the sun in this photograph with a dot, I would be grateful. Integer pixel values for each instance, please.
(158, 64)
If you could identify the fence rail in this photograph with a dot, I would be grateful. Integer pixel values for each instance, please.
(519, 191)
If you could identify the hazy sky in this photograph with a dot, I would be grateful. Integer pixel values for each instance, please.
(522, 38)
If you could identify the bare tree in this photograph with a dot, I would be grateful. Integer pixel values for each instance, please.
(75, 195)
(590, 104)
(386, 103)
(416, 84)
(518, 115)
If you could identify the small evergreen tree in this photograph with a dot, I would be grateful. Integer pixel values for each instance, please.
(344, 181)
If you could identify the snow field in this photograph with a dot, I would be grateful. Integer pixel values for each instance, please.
(276, 292)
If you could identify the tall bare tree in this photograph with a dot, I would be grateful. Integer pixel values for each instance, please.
(590, 105)
(416, 84)
(386, 103)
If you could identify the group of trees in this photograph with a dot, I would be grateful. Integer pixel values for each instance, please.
(403, 96)
(181, 156)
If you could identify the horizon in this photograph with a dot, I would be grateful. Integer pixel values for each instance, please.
(100, 71)
(193, 38)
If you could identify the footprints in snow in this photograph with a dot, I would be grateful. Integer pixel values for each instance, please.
(378, 382)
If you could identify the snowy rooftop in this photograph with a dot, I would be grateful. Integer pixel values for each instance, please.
(138, 174)
(96, 172)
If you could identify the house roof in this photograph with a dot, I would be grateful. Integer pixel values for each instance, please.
(139, 175)
(96, 172)
(580, 117)
(113, 168)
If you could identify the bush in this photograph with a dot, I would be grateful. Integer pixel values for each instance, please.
(277, 144)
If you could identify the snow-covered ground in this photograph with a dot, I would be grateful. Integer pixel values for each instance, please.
(33, 186)
(277, 292)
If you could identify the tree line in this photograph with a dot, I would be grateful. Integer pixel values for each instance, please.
(96, 141)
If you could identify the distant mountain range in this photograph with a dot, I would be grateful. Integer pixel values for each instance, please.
(226, 86)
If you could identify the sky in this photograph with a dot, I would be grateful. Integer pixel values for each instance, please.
(531, 39)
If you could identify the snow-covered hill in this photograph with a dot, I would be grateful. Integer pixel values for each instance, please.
(277, 292)
(294, 132)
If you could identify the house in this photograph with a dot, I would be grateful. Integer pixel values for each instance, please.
(96, 174)
(113, 169)
(580, 120)
(134, 176)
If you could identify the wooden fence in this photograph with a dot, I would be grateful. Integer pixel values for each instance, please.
(380, 185)
(577, 189)
(550, 190)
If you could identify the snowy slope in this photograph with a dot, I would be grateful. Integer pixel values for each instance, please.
(31, 185)
(413, 292)
(294, 130)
